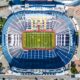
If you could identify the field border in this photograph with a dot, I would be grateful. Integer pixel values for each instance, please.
(50, 30)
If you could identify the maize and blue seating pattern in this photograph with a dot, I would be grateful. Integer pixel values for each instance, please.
(39, 59)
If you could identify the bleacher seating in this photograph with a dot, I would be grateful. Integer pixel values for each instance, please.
(43, 59)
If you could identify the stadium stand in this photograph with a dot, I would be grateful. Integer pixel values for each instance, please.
(38, 59)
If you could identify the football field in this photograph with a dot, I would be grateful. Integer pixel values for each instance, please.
(38, 40)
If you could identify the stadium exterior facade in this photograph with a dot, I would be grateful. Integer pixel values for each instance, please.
(26, 61)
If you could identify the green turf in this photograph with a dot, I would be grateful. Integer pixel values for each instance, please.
(38, 40)
(2, 21)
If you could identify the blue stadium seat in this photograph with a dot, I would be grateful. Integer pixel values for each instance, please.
(43, 59)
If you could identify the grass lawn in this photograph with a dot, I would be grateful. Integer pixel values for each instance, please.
(38, 40)
(2, 21)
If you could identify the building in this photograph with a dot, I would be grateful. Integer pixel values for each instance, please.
(39, 54)
(4, 3)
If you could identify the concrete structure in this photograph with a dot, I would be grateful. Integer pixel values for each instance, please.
(4, 3)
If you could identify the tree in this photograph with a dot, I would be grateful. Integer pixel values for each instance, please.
(74, 70)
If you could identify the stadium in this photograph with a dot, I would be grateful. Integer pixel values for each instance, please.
(38, 39)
